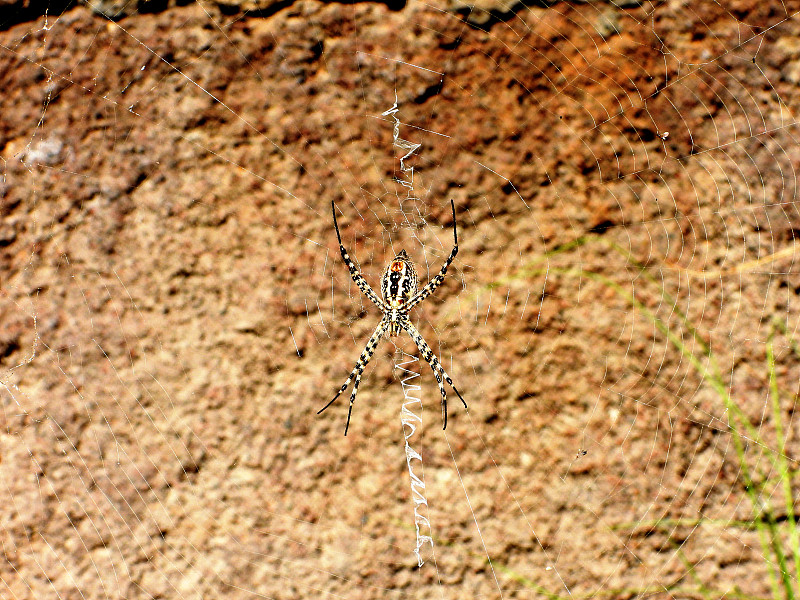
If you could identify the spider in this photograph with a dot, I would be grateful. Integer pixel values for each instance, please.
(400, 295)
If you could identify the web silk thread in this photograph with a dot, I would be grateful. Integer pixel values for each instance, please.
(407, 180)
(408, 418)
(410, 421)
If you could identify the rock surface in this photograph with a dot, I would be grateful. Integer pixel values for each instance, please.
(174, 309)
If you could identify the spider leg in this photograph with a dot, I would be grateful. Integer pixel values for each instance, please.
(354, 272)
(436, 281)
(436, 366)
(361, 364)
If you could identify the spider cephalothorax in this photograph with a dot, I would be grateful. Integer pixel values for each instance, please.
(400, 295)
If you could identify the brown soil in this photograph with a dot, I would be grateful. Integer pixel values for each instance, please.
(174, 308)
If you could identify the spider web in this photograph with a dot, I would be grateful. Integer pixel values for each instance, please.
(622, 317)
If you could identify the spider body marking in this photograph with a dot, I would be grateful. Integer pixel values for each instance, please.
(400, 295)
(398, 286)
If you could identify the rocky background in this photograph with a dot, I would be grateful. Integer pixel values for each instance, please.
(622, 316)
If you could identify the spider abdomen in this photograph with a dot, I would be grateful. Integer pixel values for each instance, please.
(399, 281)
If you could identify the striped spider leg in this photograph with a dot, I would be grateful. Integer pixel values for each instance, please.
(399, 290)
(436, 366)
(361, 364)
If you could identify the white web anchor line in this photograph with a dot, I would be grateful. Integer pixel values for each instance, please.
(410, 421)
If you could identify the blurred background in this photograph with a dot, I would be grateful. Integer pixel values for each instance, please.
(622, 316)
